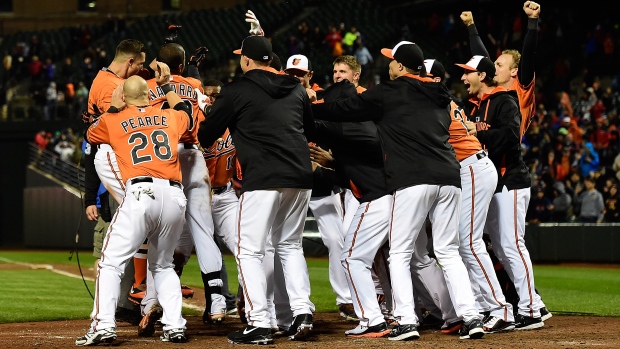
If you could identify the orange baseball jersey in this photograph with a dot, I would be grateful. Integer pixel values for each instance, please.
(101, 90)
(464, 144)
(144, 140)
(527, 103)
(221, 160)
(185, 88)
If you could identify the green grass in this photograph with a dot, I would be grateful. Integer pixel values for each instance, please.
(40, 295)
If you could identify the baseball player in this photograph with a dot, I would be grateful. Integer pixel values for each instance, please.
(145, 139)
(198, 228)
(325, 203)
(221, 159)
(357, 149)
(496, 122)
(267, 114)
(515, 71)
(422, 172)
(478, 182)
(128, 61)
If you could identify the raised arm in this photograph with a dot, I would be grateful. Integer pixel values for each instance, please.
(530, 42)
(475, 42)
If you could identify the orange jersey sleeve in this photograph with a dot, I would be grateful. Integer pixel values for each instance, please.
(527, 103)
(360, 89)
(221, 160)
(186, 89)
(464, 144)
(144, 140)
(101, 90)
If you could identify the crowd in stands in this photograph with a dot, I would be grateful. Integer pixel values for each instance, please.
(64, 144)
(573, 148)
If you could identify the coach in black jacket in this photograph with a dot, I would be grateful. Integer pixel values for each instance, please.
(411, 113)
(267, 114)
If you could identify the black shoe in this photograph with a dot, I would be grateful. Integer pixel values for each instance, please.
(376, 331)
(403, 333)
(251, 335)
(494, 324)
(523, 322)
(301, 327)
(430, 322)
(472, 329)
(545, 314)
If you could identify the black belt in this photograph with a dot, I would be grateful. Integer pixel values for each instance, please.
(190, 146)
(219, 190)
(481, 155)
(150, 180)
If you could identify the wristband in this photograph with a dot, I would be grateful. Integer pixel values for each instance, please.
(166, 88)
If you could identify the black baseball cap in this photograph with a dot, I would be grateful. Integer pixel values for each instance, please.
(434, 68)
(480, 64)
(257, 48)
(406, 53)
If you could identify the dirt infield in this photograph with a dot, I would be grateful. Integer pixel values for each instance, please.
(559, 332)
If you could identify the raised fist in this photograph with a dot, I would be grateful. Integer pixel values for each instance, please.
(198, 56)
(171, 33)
(255, 28)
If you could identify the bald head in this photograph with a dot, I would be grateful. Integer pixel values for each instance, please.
(136, 91)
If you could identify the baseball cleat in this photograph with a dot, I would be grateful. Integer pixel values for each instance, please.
(175, 335)
(106, 335)
(452, 327)
(146, 328)
(495, 324)
(136, 294)
(301, 327)
(376, 331)
(187, 292)
(403, 333)
(472, 329)
(251, 335)
(523, 322)
(348, 312)
(217, 311)
(545, 314)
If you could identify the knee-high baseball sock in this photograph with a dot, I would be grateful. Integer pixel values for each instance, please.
(212, 284)
(139, 263)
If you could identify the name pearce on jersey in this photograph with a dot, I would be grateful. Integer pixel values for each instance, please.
(144, 121)
(183, 90)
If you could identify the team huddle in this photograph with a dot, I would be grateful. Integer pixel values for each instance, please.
(418, 197)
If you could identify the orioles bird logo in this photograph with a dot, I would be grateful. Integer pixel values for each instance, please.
(296, 61)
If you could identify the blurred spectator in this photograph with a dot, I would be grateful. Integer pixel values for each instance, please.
(40, 139)
(365, 59)
(51, 100)
(49, 70)
(81, 98)
(562, 209)
(35, 67)
(88, 70)
(7, 61)
(349, 40)
(65, 150)
(612, 207)
(588, 160)
(540, 208)
(590, 201)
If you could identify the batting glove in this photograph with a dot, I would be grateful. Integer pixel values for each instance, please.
(198, 56)
(255, 28)
(171, 33)
(204, 103)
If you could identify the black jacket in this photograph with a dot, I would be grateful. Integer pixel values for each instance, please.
(413, 120)
(268, 115)
(500, 110)
(357, 149)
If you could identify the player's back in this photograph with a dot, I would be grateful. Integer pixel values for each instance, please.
(185, 87)
(145, 140)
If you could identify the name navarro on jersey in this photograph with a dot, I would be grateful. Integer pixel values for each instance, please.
(183, 90)
(144, 121)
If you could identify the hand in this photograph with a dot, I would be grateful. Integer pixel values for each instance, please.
(118, 98)
(162, 74)
(198, 56)
(91, 213)
(89, 118)
(203, 101)
(532, 9)
(171, 33)
(255, 28)
(315, 166)
(467, 18)
(311, 94)
(471, 127)
(321, 156)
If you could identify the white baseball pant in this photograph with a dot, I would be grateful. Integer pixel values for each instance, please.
(411, 207)
(367, 234)
(429, 281)
(149, 210)
(506, 227)
(350, 205)
(199, 227)
(108, 172)
(283, 212)
(327, 211)
(224, 210)
(478, 182)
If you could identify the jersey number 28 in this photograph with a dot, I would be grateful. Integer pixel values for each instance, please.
(161, 146)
